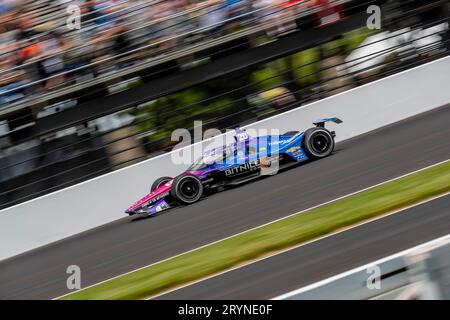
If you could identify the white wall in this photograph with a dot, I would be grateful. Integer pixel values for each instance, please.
(101, 200)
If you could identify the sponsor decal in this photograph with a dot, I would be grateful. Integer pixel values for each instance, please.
(280, 142)
(296, 152)
(161, 207)
(247, 167)
(159, 197)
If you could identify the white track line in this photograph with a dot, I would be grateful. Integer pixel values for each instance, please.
(364, 267)
(276, 253)
(261, 226)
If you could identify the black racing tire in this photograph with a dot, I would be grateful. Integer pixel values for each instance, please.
(318, 143)
(187, 189)
(159, 182)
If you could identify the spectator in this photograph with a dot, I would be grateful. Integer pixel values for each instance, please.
(212, 19)
(35, 45)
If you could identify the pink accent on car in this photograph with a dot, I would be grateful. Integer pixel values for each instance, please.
(164, 188)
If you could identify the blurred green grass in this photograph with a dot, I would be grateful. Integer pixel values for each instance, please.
(276, 236)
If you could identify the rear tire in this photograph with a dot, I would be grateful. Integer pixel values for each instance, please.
(159, 182)
(318, 143)
(187, 189)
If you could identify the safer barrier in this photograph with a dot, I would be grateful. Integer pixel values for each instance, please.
(102, 200)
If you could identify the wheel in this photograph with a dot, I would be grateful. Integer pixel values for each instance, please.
(318, 143)
(159, 182)
(187, 188)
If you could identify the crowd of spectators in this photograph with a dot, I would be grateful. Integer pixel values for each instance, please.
(42, 47)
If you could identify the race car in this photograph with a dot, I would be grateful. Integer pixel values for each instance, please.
(245, 159)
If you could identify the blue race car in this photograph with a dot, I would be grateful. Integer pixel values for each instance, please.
(245, 159)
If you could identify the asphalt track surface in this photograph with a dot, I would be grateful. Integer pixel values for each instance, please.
(327, 257)
(128, 243)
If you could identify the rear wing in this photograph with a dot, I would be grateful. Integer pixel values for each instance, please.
(321, 123)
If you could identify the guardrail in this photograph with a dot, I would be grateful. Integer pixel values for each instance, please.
(102, 200)
(421, 272)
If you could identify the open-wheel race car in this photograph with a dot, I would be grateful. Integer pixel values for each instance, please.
(245, 159)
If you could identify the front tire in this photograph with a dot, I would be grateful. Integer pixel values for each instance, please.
(159, 182)
(318, 143)
(187, 189)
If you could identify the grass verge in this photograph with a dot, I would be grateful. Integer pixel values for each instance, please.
(275, 236)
